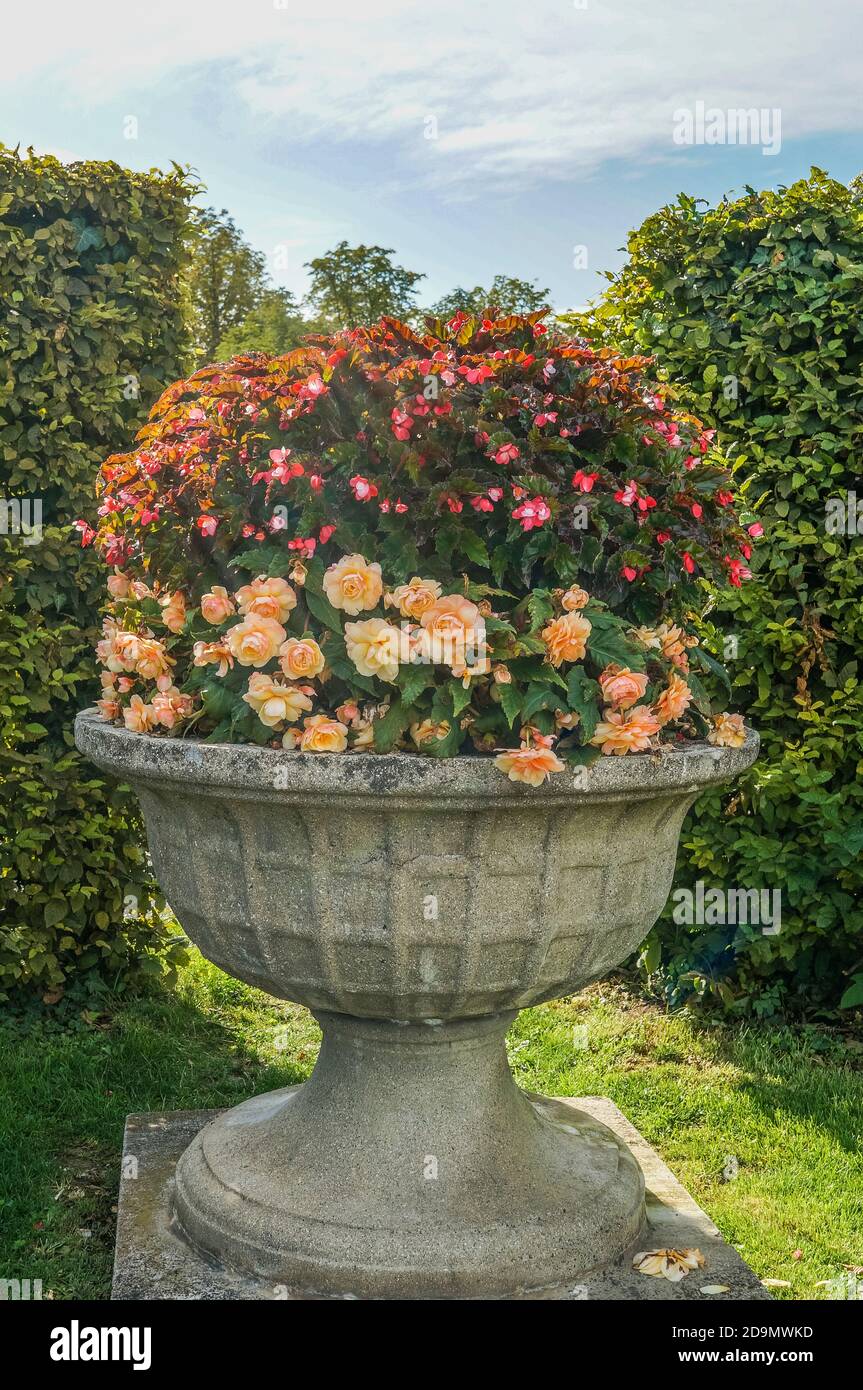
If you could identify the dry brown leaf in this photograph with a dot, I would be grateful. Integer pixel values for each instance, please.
(715, 1288)
(668, 1264)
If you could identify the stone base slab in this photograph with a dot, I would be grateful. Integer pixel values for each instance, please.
(155, 1261)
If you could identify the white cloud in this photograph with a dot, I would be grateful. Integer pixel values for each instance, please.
(520, 91)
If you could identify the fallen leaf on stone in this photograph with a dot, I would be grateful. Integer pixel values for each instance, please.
(715, 1288)
(668, 1264)
(776, 1283)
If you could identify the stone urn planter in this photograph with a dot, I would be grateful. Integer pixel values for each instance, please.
(414, 905)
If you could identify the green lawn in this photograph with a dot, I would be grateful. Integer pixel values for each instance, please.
(786, 1104)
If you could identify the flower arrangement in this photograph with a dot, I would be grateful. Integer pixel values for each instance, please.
(482, 538)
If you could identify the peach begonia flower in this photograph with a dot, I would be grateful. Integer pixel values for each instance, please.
(674, 700)
(141, 590)
(373, 647)
(415, 598)
(217, 605)
(427, 731)
(566, 638)
(574, 599)
(647, 636)
(673, 643)
(453, 633)
(119, 585)
(255, 640)
(206, 653)
(621, 687)
(481, 667)
(298, 573)
(171, 705)
(301, 658)
(529, 764)
(323, 735)
(151, 659)
(502, 675)
(173, 611)
(108, 707)
(566, 719)
(353, 585)
(273, 702)
(348, 713)
(728, 731)
(267, 598)
(628, 732)
(138, 717)
(362, 735)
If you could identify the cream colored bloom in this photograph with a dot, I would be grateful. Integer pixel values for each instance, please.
(566, 638)
(323, 735)
(173, 611)
(668, 1264)
(170, 705)
(502, 675)
(628, 732)
(301, 658)
(118, 585)
(108, 707)
(362, 735)
(206, 653)
(274, 702)
(353, 585)
(138, 717)
(373, 647)
(674, 700)
(267, 598)
(574, 599)
(647, 636)
(454, 633)
(151, 659)
(217, 605)
(427, 731)
(415, 598)
(622, 687)
(674, 642)
(728, 731)
(529, 763)
(255, 640)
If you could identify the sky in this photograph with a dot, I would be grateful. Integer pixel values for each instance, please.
(475, 137)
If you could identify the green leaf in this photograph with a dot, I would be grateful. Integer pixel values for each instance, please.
(389, 728)
(584, 697)
(510, 702)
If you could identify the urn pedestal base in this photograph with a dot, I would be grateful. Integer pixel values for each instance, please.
(410, 1165)
(155, 1260)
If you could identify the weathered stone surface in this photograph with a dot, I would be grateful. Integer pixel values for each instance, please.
(407, 887)
(154, 1260)
(414, 905)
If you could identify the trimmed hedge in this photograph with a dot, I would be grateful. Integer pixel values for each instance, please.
(92, 326)
(752, 309)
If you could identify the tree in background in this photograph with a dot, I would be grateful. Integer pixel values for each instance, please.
(752, 310)
(353, 285)
(507, 293)
(227, 281)
(275, 325)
